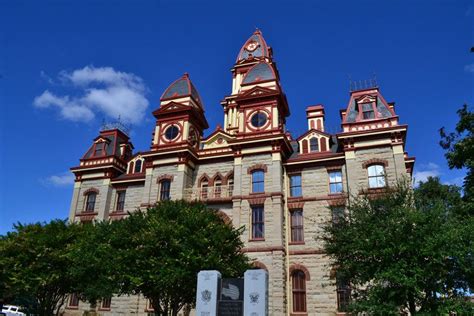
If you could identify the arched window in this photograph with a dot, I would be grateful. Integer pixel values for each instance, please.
(217, 187)
(90, 201)
(165, 186)
(376, 176)
(258, 181)
(298, 282)
(305, 146)
(204, 188)
(313, 144)
(138, 166)
(132, 165)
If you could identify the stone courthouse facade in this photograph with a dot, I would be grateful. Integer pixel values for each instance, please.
(252, 171)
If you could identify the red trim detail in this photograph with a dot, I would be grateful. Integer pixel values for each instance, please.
(257, 167)
(90, 190)
(375, 161)
(259, 265)
(164, 177)
(300, 267)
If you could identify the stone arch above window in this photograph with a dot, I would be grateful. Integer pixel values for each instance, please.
(164, 177)
(228, 176)
(224, 217)
(258, 265)
(218, 176)
(204, 178)
(296, 266)
(91, 190)
(257, 167)
(375, 161)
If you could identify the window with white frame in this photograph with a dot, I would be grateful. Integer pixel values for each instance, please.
(335, 181)
(376, 175)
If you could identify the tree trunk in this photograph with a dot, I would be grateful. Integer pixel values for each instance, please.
(412, 305)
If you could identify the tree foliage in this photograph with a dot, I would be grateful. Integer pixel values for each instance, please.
(158, 253)
(405, 250)
(35, 265)
(459, 146)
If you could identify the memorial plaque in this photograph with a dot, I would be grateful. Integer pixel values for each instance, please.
(256, 293)
(230, 308)
(232, 295)
(207, 293)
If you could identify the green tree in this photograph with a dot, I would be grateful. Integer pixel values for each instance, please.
(35, 265)
(95, 262)
(158, 253)
(404, 250)
(459, 146)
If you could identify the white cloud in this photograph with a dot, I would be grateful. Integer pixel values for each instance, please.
(60, 180)
(71, 110)
(102, 90)
(469, 68)
(425, 171)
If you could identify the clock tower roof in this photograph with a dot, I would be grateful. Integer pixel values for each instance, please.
(254, 47)
(182, 87)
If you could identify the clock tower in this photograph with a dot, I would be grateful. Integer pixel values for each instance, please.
(257, 104)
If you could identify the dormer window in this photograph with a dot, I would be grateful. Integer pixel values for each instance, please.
(368, 112)
(313, 144)
(138, 166)
(99, 149)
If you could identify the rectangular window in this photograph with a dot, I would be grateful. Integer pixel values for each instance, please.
(98, 149)
(106, 302)
(73, 300)
(376, 176)
(368, 111)
(90, 202)
(343, 296)
(297, 226)
(335, 182)
(258, 224)
(165, 190)
(120, 201)
(258, 181)
(295, 185)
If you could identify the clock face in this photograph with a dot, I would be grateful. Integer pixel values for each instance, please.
(251, 46)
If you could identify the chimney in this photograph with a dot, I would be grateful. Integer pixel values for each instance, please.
(315, 117)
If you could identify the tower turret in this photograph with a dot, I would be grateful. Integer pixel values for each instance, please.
(257, 103)
(180, 119)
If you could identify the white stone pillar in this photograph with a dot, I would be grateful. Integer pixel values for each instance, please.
(207, 292)
(256, 292)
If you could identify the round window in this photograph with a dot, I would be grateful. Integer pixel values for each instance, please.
(171, 132)
(259, 119)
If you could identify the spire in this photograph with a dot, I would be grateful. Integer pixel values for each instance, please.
(254, 47)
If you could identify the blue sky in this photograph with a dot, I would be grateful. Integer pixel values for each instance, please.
(52, 109)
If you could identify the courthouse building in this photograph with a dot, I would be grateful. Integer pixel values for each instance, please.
(281, 187)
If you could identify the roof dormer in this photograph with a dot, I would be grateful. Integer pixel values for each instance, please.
(367, 110)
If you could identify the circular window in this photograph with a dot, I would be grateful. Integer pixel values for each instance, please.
(171, 132)
(259, 119)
